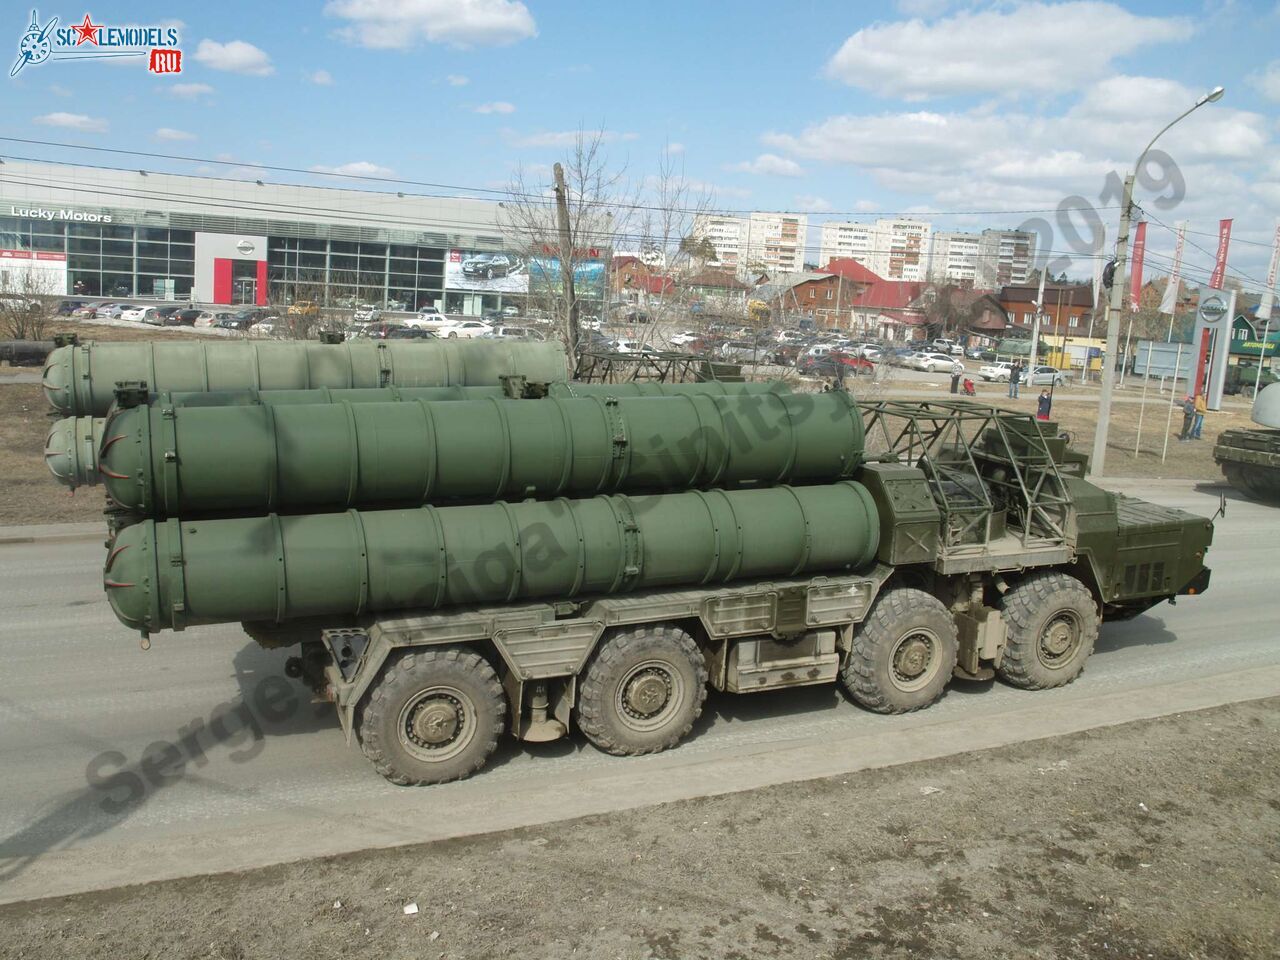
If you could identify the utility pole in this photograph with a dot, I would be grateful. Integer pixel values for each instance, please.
(566, 263)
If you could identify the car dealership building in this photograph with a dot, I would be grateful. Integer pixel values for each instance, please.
(133, 234)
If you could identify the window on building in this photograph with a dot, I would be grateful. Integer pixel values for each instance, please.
(830, 292)
(1075, 321)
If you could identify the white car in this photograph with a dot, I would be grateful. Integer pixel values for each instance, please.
(511, 310)
(999, 371)
(461, 329)
(683, 337)
(513, 333)
(366, 313)
(1047, 376)
(428, 318)
(133, 313)
(632, 346)
(937, 363)
(949, 347)
(115, 311)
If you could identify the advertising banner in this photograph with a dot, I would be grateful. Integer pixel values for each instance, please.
(1169, 302)
(1135, 275)
(486, 271)
(546, 278)
(1220, 261)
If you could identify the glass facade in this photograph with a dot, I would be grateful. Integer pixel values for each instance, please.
(151, 253)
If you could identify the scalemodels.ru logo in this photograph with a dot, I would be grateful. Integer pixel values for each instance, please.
(89, 41)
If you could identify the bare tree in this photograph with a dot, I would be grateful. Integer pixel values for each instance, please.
(598, 210)
(23, 314)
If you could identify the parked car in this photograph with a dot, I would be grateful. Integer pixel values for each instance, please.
(366, 313)
(511, 310)
(132, 312)
(428, 318)
(232, 321)
(999, 372)
(166, 312)
(152, 316)
(949, 347)
(977, 353)
(1047, 376)
(112, 311)
(381, 329)
(743, 351)
(489, 265)
(400, 332)
(514, 333)
(304, 308)
(937, 363)
(86, 311)
(632, 346)
(682, 338)
(463, 329)
(67, 308)
(210, 318)
(185, 317)
(835, 366)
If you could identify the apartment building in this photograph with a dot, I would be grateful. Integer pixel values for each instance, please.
(771, 242)
(953, 257)
(896, 249)
(1005, 257)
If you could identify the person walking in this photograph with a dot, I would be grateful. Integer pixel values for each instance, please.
(956, 372)
(1201, 407)
(1044, 405)
(1188, 417)
(1015, 377)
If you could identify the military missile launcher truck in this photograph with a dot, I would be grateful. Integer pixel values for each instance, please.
(1250, 459)
(448, 570)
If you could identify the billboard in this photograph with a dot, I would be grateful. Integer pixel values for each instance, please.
(545, 277)
(486, 271)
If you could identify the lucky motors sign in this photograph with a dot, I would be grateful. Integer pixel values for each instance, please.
(61, 213)
(86, 40)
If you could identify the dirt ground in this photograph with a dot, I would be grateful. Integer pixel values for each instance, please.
(1153, 840)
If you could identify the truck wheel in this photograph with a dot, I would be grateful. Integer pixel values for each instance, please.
(903, 653)
(642, 691)
(1053, 623)
(434, 715)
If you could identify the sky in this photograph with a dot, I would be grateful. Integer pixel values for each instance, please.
(968, 114)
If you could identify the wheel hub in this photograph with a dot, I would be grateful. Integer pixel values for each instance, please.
(647, 693)
(913, 657)
(1059, 640)
(435, 722)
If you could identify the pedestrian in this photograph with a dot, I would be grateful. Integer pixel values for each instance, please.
(956, 372)
(1044, 405)
(1201, 408)
(1188, 417)
(1015, 377)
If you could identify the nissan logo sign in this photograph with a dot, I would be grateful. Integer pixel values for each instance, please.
(245, 247)
(1213, 309)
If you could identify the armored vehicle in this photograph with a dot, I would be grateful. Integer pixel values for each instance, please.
(607, 579)
(1250, 459)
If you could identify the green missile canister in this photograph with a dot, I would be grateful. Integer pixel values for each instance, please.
(80, 380)
(177, 573)
(166, 461)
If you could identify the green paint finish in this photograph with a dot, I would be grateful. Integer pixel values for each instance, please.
(178, 573)
(80, 380)
(186, 461)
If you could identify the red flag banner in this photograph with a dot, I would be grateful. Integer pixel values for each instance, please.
(1135, 273)
(1220, 263)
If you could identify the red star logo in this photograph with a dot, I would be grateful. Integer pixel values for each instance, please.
(88, 32)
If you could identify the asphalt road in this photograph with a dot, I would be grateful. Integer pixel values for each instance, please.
(80, 695)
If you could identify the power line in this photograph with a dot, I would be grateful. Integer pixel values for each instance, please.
(523, 196)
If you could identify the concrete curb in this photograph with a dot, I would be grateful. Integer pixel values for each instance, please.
(52, 533)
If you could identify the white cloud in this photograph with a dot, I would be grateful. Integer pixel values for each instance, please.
(190, 91)
(357, 168)
(59, 91)
(1032, 47)
(1268, 81)
(234, 56)
(810, 204)
(168, 133)
(498, 106)
(674, 149)
(402, 24)
(321, 78)
(567, 138)
(457, 80)
(73, 121)
(769, 164)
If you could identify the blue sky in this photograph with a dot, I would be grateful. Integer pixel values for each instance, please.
(944, 109)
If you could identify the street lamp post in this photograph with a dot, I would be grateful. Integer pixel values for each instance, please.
(1116, 303)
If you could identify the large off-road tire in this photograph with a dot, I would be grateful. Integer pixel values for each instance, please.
(1053, 623)
(433, 715)
(642, 691)
(903, 654)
